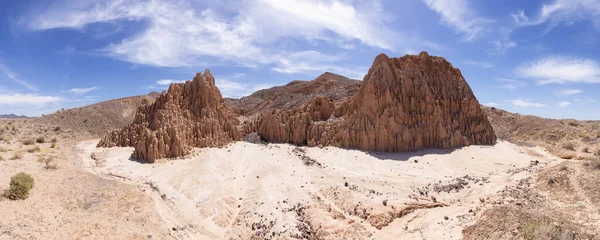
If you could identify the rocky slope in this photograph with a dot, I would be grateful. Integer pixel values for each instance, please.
(190, 114)
(403, 104)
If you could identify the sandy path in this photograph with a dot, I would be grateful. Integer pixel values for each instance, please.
(246, 190)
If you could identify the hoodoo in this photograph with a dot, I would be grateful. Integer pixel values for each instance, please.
(190, 114)
(403, 104)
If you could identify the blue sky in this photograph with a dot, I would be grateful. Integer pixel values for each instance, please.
(530, 57)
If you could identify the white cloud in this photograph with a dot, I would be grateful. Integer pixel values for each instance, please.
(561, 11)
(27, 100)
(501, 46)
(523, 103)
(312, 61)
(459, 15)
(491, 104)
(569, 92)
(12, 76)
(511, 84)
(479, 64)
(564, 104)
(556, 69)
(166, 82)
(81, 91)
(234, 89)
(250, 33)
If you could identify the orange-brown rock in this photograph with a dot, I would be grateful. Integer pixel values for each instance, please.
(190, 114)
(403, 104)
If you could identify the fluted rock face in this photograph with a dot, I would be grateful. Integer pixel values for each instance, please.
(191, 114)
(404, 104)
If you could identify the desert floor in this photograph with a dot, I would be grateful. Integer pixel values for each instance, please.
(249, 190)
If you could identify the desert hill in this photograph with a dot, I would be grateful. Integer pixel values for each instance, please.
(295, 94)
(12, 116)
(100, 118)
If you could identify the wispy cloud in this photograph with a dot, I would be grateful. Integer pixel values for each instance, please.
(564, 104)
(557, 69)
(511, 84)
(164, 82)
(27, 100)
(250, 33)
(460, 16)
(491, 104)
(479, 64)
(81, 91)
(12, 76)
(235, 89)
(561, 11)
(569, 92)
(524, 103)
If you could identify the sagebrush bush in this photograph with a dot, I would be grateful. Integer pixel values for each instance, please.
(40, 139)
(19, 186)
(569, 146)
(34, 149)
(28, 141)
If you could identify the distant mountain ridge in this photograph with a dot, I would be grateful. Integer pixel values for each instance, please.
(12, 116)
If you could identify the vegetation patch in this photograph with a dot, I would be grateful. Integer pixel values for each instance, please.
(545, 229)
(19, 186)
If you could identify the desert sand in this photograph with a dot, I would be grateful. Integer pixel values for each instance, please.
(244, 190)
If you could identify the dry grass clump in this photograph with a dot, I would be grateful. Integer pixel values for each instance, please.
(48, 161)
(3, 149)
(19, 186)
(6, 138)
(28, 141)
(569, 146)
(40, 139)
(17, 155)
(34, 149)
(597, 152)
(586, 149)
(52, 145)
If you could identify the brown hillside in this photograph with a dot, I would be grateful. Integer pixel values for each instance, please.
(98, 119)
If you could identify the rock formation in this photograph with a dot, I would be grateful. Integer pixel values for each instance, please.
(403, 104)
(190, 114)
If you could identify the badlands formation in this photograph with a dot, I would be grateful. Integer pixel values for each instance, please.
(406, 153)
(403, 104)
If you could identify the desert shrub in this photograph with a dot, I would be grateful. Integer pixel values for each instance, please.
(17, 155)
(545, 229)
(6, 138)
(56, 129)
(19, 187)
(3, 149)
(54, 140)
(52, 145)
(28, 141)
(586, 150)
(1, 158)
(573, 124)
(569, 146)
(597, 152)
(48, 161)
(40, 139)
(34, 149)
